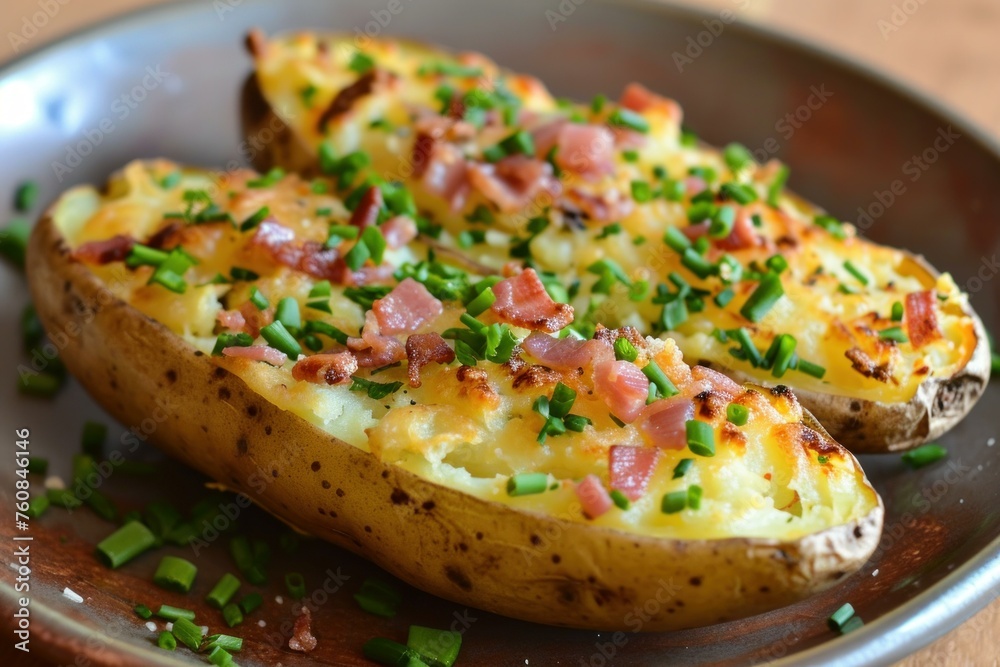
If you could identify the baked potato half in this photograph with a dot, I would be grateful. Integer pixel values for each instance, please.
(357, 384)
(703, 245)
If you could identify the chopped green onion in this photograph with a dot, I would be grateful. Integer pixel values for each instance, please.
(682, 467)
(296, 585)
(231, 340)
(656, 375)
(641, 191)
(141, 255)
(239, 273)
(258, 299)
(856, 272)
(255, 219)
(242, 553)
(322, 288)
(694, 494)
(519, 142)
(268, 179)
(832, 226)
(142, 611)
(187, 633)
(785, 349)
(894, 334)
(361, 62)
(232, 614)
(220, 657)
(625, 350)
(175, 574)
(768, 291)
(26, 196)
(562, 400)
(377, 597)
(737, 414)
(450, 69)
(438, 648)
(700, 437)
(851, 625)
(619, 499)
(737, 157)
(628, 119)
(223, 591)
(174, 613)
(166, 641)
(676, 240)
(527, 483)
(125, 544)
(481, 302)
(674, 502)
(227, 642)
(840, 617)
(287, 312)
(739, 193)
(576, 423)
(776, 263)
(924, 455)
(42, 385)
(250, 602)
(777, 185)
(14, 241)
(723, 298)
(810, 368)
(897, 312)
(328, 330)
(37, 506)
(63, 498)
(278, 337)
(376, 390)
(388, 652)
(722, 222)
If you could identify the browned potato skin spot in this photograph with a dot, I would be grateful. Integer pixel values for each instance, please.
(507, 564)
(876, 427)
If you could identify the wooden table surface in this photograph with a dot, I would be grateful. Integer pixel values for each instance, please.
(948, 49)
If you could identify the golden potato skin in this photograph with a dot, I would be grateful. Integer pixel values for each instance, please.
(488, 555)
(863, 426)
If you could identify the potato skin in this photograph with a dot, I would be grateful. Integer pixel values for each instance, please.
(861, 425)
(488, 555)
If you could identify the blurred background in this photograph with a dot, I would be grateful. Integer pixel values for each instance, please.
(949, 51)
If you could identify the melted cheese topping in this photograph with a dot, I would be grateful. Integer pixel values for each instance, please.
(834, 317)
(469, 429)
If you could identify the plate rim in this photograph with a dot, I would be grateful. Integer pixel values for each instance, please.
(910, 627)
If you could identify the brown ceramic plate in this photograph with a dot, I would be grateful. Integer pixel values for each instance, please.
(166, 82)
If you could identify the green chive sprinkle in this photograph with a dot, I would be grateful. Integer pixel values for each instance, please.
(388, 652)
(174, 613)
(14, 241)
(924, 455)
(296, 585)
(676, 240)
(187, 633)
(278, 337)
(852, 624)
(832, 226)
(287, 312)
(768, 291)
(694, 494)
(700, 437)
(26, 196)
(894, 334)
(722, 222)
(258, 299)
(619, 499)
(777, 185)
(142, 611)
(682, 467)
(255, 219)
(776, 263)
(223, 591)
(220, 657)
(674, 502)
(435, 647)
(810, 368)
(897, 312)
(723, 298)
(840, 617)
(175, 574)
(856, 272)
(737, 414)
(227, 642)
(737, 157)
(785, 349)
(166, 641)
(250, 602)
(641, 191)
(656, 375)
(125, 544)
(232, 614)
(628, 119)
(527, 483)
(625, 350)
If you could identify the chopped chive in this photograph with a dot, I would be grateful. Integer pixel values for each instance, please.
(258, 299)
(768, 291)
(924, 455)
(167, 641)
(894, 334)
(328, 330)
(527, 483)
(14, 241)
(296, 585)
(562, 400)
(268, 179)
(897, 312)
(239, 273)
(223, 591)
(625, 350)
(785, 349)
(26, 196)
(220, 657)
(694, 494)
(481, 302)
(174, 613)
(776, 263)
(856, 272)
(278, 337)
(777, 185)
(723, 298)
(187, 633)
(696, 264)
(375, 605)
(232, 614)
(722, 222)
(63, 498)
(361, 62)
(737, 414)
(619, 499)
(737, 157)
(255, 219)
(102, 505)
(287, 312)
(628, 119)
(227, 642)
(739, 193)
(832, 226)
(700, 437)
(576, 423)
(242, 553)
(376, 390)
(630, 155)
(519, 142)
(682, 467)
(125, 544)
(810, 368)
(618, 422)
(674, 502)
(322, 288)
(642, 191)
(141, 255)
(250, 602)
(676, 240)
(38, 505)
(231, 340)
(387, 652)
(840, 617)
(439, 648)
(142, 611)
(175, 574)
(854, 623)
(42, 385)
(656, 375)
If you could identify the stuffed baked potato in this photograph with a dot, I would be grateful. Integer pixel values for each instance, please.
(321, 357)
(645, 226)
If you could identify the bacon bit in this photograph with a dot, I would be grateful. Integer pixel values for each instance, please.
(164, 236)
(443, 169)
(587, 150)
(309, 257)
(623, 387)
(115, 249)
(334, 368)
(593, 497)
(450, 127)
(522, 301)
(406, 308)
(366, 213)
(422, 349)
(921, 319)
(641, 99)
(513, 182)
(743, 235)
(319, 262)
(706, 379)
(536, 376)
(257, 353)
(663, 423)
(346, 98)
(302, 638)
(606, 207)
(566, 354)
(255, 319)
(271, 236)
(398, 231)
(631, 469)
(865, 365)
(546, 135)
(231, 319)
(373, 350)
